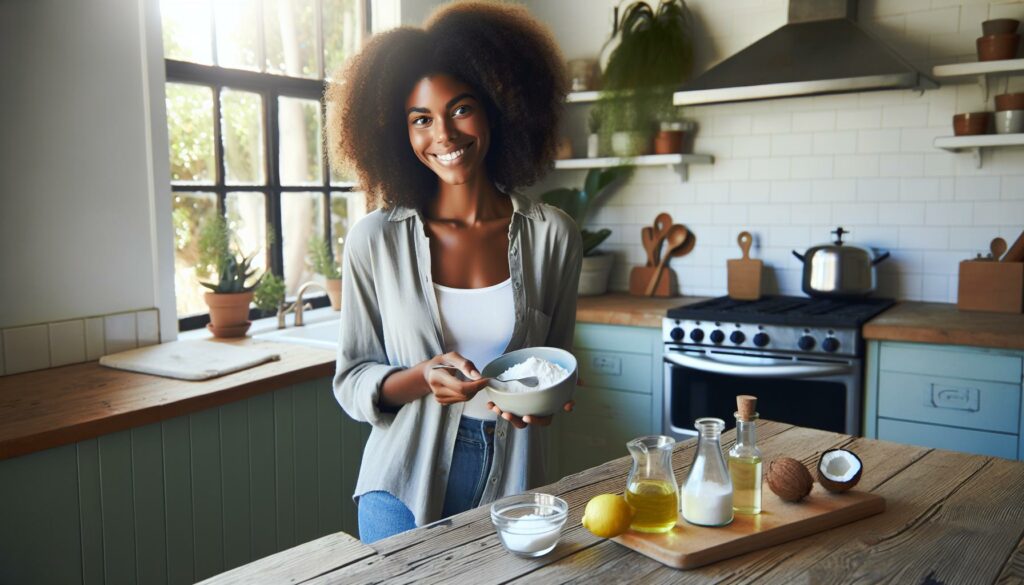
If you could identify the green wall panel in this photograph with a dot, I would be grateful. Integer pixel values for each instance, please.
(118, 508)
(177, 449)
(284, 456)
(148, 484)
(234, 445)
(207, 494)
(328, 461)
(90, 510)
(262, 475)
(305, 456)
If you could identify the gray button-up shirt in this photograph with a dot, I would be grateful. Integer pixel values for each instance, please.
(390, 321)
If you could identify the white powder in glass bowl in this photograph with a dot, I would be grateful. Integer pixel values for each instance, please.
(548, 374)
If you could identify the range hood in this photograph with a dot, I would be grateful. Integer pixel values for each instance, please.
(820, 50)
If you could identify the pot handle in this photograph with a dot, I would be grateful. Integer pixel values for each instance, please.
(798, 255)
(881, 257)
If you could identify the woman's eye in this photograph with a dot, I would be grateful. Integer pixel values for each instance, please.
(421, 121)
(461, 110)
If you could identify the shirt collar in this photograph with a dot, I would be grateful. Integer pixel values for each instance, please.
(521, 204)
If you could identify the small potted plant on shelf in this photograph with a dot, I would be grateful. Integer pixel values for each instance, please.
(597, 266)
(321, 260)
(231, 294)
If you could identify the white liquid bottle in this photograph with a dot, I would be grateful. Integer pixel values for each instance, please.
(707, 497)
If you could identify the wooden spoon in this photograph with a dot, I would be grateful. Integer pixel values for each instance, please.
(998, 248)
(647, 237)
(677, 236)
(662, 225)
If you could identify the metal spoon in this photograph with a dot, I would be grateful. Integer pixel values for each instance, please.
(497, 384)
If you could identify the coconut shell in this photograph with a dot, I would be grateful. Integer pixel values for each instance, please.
(836, 486)
(789, 479)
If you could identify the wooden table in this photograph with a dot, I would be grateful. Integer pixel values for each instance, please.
(951, 518)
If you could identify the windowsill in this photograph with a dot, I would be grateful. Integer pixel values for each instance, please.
(309, 317)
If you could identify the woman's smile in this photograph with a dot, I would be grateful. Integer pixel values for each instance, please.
(453, 157)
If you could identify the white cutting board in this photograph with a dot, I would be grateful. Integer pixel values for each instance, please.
(188, 360)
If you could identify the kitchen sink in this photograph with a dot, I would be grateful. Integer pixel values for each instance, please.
(323, 334)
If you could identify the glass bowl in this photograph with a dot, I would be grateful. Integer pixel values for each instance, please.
(529, 525)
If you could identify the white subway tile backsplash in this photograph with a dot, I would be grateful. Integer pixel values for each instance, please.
(791, 191)
(1012, 187)
(883, 237)
(732, 169)
(977, 188)
(814, 121)
(774, 123)
(119, 332)
(26, 349)
(859, 118)
(749, 191)
(94, 343)
(856, 165)
(901, 213)
(811, 167)
(730, 214)
(920, 139)
(737, 125)
(842, 142)
(949, 214)
(834, 190)
(999, 213)
(924, 238)
(935, 288)
(877, 141)
(713, 193)
(792, 144)
(773, 214)
(752, 146)
(67, 342)
(901, 165)
(878, 189)
(855, 214)
(811, 214)
(905, 115)
(147, 326)
(936, 21)
(769, 168)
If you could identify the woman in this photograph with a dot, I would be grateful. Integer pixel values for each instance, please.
(441, 125)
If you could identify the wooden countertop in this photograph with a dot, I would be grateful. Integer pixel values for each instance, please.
(57, 406)
(943, 323)
(625, 309)
(950, 518)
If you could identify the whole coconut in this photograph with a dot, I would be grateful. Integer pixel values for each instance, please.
(789, 479)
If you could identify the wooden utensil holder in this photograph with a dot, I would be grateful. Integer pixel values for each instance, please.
(640, 277)
(996, 287)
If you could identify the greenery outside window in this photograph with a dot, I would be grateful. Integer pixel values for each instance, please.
(245, 117)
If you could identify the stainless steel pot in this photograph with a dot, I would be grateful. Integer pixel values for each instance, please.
(839, 269)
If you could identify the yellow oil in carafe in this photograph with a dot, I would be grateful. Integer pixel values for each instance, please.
(746, 484)
(656, 503)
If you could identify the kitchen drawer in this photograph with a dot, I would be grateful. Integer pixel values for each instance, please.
(967, 441)
(622, 371)
(600, 426)
(951, 362)
(615, 338)
(619, 409)
(973, 404)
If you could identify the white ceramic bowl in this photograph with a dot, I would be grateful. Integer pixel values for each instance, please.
(1010, 122)
(539, 402)
(521, 531)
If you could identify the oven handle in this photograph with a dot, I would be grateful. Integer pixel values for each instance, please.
(784, 369)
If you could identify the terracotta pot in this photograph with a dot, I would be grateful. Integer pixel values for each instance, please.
(333, 286)
(668, 142)
(1009, 101)
(971, 124)
(997, 47)
(1000, 26)
(228, 313)
(564, 149)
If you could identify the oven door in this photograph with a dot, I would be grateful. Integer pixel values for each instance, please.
(815, 392)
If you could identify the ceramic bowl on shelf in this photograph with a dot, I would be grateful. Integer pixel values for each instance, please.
(1010, 101)
(1010, 122)
(997, 47)
(971, 124)
(529, 525)
(540, 401)
(1000, 26)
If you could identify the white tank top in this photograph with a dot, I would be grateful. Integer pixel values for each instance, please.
(478, 324)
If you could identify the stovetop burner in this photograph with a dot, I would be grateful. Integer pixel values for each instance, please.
(785, 310)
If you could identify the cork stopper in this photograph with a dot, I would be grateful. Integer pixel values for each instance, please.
(746, 407)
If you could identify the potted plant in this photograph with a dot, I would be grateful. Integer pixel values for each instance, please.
(269, 294)
(321, 259)
(231, 294)
(577, 203)
(650, 53)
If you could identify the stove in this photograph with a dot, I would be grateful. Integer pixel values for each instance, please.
(802, 357)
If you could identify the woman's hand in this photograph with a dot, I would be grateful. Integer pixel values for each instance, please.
(522, 422)
(446, 387)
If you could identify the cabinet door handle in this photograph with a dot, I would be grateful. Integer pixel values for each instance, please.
(609, 365)
(953, 398)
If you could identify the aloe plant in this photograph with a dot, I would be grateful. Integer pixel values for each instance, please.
(215, 250)
(577, 203)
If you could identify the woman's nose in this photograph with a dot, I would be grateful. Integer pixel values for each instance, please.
(444, 131)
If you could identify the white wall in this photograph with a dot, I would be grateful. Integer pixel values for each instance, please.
(85, 207)
(791, 170)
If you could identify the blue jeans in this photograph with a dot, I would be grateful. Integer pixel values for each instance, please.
(382, 515)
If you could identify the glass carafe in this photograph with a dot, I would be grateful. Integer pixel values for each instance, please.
(651, 486)
(707, 496)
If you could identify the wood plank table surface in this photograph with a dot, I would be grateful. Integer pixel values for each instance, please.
(943, 323)
(629, 310)
(950, 518)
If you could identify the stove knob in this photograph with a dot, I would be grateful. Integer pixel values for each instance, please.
(830, 344)
(717, 336)
(737, 337)
(761, 339)
(676, 334)
(697, 335)
(805, 343)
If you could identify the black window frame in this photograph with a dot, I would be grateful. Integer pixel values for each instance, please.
(269, 87)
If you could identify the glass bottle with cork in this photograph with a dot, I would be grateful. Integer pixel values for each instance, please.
(707, 496)
(745, 459)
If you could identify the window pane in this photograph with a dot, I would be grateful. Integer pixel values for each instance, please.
(237, 34)
(290, 32)
(189, 212)
(247, 218)
(190, 133)
(346, 209)
(302, 219)
(186, 29)
(343, 29)
(241, 115)
(299, 155)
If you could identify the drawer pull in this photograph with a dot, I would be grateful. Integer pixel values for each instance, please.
(951, 397)
(608, 365)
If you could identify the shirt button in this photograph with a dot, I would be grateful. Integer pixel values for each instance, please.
(494, 480)
(516, 284)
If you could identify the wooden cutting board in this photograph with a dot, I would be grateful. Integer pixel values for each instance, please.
(687, 546)
(745, 273)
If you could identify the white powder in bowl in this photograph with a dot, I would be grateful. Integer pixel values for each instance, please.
(548, 374)
(530, 535)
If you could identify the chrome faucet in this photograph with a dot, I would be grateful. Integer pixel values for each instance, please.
(297, 307)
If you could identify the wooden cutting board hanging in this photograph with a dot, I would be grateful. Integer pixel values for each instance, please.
(745, 273)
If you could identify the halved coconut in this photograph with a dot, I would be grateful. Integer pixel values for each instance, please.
(839, 470)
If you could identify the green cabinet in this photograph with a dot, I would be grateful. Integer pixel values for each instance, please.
(620, 397)
(947, 397)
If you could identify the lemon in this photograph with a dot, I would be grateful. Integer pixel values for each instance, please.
(607, 515)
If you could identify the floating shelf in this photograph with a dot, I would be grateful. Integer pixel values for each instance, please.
(979, 69)
(975, 144)
(582, 97)
(676, 161)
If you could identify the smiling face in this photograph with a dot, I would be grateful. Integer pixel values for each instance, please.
(448, 128)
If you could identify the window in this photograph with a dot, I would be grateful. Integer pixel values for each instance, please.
(245, 126)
